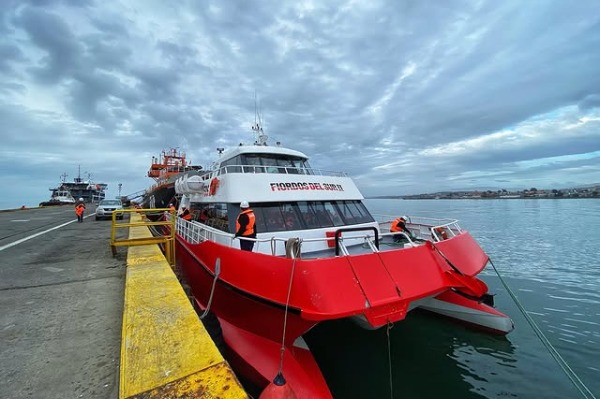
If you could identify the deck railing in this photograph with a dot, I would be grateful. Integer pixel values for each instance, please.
(287, 170)
(422, 229)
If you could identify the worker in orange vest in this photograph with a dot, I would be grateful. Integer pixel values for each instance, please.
(185, 214)
(245, 226)
(440, 234)
(399, 226)
(79, 210)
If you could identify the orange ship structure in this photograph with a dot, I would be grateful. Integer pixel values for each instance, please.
(165, 170)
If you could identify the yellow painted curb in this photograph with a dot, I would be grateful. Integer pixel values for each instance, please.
(165, 350)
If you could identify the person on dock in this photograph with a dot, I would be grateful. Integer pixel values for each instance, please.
(245, 226)
(399, 226)
(79, 210)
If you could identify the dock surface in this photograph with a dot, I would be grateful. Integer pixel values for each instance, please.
(61, 301)
(69, 326)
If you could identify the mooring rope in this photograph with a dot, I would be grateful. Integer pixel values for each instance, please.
(580, 385)
(389, 342)
(212, 290)
(295, 253)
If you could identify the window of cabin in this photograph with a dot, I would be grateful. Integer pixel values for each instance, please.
(314, 214)
(270, 165)
(232, 165)
(354, 212)
(334, 214)
(253, 164)
(261, 163)
(213, 215)
(275, 217)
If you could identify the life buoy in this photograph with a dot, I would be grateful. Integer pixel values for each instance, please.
(212, 189)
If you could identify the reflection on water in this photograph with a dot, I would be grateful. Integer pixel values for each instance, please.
(547, 252)
(430, 357)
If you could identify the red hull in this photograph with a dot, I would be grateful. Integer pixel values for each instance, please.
(252, 289)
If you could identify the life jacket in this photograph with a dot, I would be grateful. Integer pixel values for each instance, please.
(79, 209)
(395, 227)
(249, 232)
(186, 215)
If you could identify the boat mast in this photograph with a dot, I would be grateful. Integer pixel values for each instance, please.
(261, 137)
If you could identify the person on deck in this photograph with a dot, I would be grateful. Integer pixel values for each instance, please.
(399, 226)
(79, 210)
(203, 217)
(186, 214)
(245, 226)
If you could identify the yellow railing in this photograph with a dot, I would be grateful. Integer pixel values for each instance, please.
(167, 239)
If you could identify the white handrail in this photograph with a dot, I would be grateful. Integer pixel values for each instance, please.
(195, 232)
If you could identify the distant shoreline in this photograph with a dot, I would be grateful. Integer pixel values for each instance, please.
(408, 198)
(589, 191)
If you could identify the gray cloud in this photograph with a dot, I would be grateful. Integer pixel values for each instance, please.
(405, 96)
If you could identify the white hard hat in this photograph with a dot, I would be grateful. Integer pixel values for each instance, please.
(80, 199)
(404, 217)
(244, 204)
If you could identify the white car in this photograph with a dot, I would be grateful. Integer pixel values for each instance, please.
(106, 208)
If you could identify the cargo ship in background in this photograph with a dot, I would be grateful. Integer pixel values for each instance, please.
(67, 192)
(165, 169)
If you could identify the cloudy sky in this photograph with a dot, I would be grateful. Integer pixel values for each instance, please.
(406, 96)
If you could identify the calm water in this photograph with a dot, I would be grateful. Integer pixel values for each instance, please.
(547, 251)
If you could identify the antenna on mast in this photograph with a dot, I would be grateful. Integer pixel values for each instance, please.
(261, 137)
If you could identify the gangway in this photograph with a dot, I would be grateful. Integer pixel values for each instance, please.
(126, 199)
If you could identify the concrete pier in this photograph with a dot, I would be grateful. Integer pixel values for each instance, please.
(61, 310)
(61, 301)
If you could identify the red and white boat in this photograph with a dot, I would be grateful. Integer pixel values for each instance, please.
(319, 255)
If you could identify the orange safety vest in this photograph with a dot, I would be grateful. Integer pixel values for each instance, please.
(79, 209)
(394, 228)
(250, 226)
(186, 215)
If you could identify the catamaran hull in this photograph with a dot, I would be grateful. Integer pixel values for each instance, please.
(258, 360)
(251, 289)
(455, 306)
(254, 341)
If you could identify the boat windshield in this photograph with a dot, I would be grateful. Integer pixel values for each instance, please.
(309, 215)
(282, 216)
(266, 163)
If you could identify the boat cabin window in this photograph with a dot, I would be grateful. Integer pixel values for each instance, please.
(232, 165)
(254, 165)
(213, 215)
(284, 216)
(266, 163)
(354, 212)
